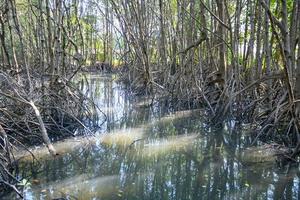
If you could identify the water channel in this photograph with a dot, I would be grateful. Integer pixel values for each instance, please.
(144, 152)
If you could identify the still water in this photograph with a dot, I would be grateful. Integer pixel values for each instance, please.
(143, 152)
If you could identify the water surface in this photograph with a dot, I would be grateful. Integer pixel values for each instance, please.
(144, 152)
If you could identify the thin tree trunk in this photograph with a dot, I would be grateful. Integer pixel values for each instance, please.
(221, 33)
(43, 129)
(162, 46)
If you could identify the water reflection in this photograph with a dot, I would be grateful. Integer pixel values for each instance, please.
(150, 154)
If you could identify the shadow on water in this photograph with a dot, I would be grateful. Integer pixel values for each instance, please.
(143, 153)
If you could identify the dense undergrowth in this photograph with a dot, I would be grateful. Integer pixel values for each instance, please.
(62, 110)
(263, 103)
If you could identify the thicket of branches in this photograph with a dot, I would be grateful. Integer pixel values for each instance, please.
(239, 58)
(42, 49)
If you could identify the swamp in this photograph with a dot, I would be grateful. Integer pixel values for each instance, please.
(149, 99)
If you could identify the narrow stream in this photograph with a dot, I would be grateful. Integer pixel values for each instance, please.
(146, 153)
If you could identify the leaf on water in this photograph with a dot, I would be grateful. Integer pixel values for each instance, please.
(247, 185)
(35, 181)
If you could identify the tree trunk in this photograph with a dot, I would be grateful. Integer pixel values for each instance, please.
(43, 129)
(162, 47)
(221, 33)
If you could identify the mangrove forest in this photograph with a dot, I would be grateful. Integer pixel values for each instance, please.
(149, 99)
